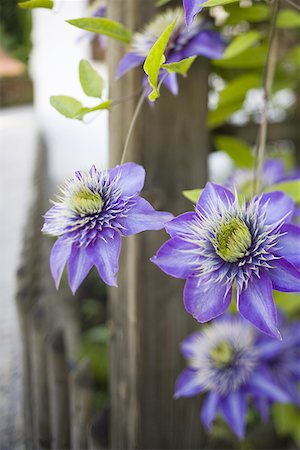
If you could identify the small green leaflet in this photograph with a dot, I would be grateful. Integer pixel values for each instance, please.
(181, 67)
(288, 18)
(255, 13)
(250, 59)
(291, 188)
(192, 195)
(237, 88)
(222, 113)
(236, 148)
(241, 43)
(211, 3)
(102, 25)
(155, 59)
(72, 108)
(91, 82)
(30, 4)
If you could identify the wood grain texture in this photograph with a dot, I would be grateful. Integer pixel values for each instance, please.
(148, 317)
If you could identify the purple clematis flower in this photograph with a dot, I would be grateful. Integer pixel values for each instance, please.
(97, 208)
(192, 8)
(200, 39)
(223, 244)
(225, 363)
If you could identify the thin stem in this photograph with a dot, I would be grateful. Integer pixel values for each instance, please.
(267, 87)
(293, 4)
(132, 123)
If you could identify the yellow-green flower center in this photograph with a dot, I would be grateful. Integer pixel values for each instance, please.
(222, 354)
(86, 202)
(233, 240)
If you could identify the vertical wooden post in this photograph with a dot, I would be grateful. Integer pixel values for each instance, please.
(148, 317)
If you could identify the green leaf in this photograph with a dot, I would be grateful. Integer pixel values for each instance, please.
(67, 106)
(241, 43)
(222, 113)
(291, 188)
(289, 302)
(192, 195)
(249, 59)
(286, 418)
(288, 18)
(102, 25)
(91, 82)
(30, 4)
(72, 108)
(155, 59)
(255, 13)
(237, 149)
(211, 3)
(181, 67)
(237, 88)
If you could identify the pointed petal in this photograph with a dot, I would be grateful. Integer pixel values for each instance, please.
(234, 408)
(104, 254)
(59, 256)
(256, 304)
(208, 43)
(209, 409)
(192, 8)
(187, 384)
(177, 258)
(79, 266)
(212, 194)
(261, 384)
(180, 224)
(263, 406)
(203, 301)
(189, 345)
(279, 207)
(171, 83)
(273, 171)
(128, 62)
(290, 244)
(129, 177)
(143, 217)
(285, 277)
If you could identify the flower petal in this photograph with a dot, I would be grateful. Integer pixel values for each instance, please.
(105, 256)
(211, 195)
(234, 408)
(171, 83)
(187, 384)
(205, 301)
(130, 178)
(262, 405)
(290, 244)
(261, 384)
(177, 258)
(256, 304)
(279, 207)
(285, 277)
(142, 216)
(180, 225)
(128, 62)
(208, 43)
(209, 409)
(189, 345)
(273, 171)
(79, 266)
(192, 8)
(60, 254)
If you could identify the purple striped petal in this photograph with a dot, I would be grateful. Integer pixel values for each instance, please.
(60, 254)
(205, 301)
(171, 83)
(263, 406)
(261, 384)
(143, 217)
(208, 43)
(212, 194)
(285, 277)
(177, 258)
(128, 62)
(180, 224)
(290, 244)
(280, 207)
(129, 177)
(256, 304)
(79, 266)
(234, 408)
(273, 171)
(187, 384)
(104, 254)
(192, 8)
(189, 345)
(209, 409)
